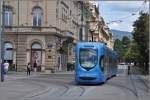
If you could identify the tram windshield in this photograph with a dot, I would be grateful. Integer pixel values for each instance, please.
(88, 58)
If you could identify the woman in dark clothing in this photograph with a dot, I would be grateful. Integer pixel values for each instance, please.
(28, 68)
(35, 66)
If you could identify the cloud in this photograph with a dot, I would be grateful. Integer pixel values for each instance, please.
(126, 6)
(122, 10)
(114, 25)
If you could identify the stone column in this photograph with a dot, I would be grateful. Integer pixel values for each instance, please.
(21, 53)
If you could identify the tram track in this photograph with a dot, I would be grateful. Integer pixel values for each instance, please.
(64, 88)
(144, 84)
(134, 86)
(45, 89)
(83, 91)
(67, 86)
(125, 87)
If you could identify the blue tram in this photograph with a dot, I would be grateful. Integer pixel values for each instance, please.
(95, 63)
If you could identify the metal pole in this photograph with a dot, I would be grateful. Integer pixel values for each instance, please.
(82, 18)
(17, 37)
(92, 35)
(2, 43)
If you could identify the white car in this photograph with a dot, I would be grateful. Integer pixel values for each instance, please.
(122, 66)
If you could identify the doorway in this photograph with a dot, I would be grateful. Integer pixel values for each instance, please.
(36, 55)
(8, 55)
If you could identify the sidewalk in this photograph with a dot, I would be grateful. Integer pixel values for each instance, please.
(12, 75)
(136, 71)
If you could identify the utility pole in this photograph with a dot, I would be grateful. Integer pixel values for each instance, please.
(2, 40)
(81, 28)
(17, 36)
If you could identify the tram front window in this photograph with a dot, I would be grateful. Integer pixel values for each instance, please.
(88, 58)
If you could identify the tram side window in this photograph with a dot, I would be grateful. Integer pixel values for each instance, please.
(102, 63)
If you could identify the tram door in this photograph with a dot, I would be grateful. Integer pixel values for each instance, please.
(36, 55)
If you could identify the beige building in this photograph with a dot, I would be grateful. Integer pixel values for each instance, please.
(35, 30)
(99, 31)
(39, 30)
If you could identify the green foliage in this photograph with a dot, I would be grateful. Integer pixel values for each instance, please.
(121, 47)
(61, 50)
(141, 38)
(132, 53)
(138, 50)
(125, 41)
(64, 48)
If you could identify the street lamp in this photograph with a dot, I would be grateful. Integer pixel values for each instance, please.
(2, 43)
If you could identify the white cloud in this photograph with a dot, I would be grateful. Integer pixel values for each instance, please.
(126, 5)
(114, 25)
(122, 10)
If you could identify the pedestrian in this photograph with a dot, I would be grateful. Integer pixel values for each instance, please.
(6, 67)
(28, 69)
(35, 66)
(128, 69)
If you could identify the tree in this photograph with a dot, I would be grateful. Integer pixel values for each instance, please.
(121, 47)
(118, 47)
(132, 53)
(141, 38)
(126, 44)
(125, 41)
(64, 46)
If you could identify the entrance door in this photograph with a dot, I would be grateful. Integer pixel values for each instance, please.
(36, 55)
(8, 55)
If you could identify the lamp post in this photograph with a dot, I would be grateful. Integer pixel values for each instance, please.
(16, 68)
(2, 42)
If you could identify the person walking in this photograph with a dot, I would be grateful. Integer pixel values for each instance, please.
(28, 69)
(128, 69)
(6, 67)
(35, 66)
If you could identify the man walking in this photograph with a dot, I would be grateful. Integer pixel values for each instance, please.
(28, 69)
(128, 69)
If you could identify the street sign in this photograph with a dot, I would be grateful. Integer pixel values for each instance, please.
(49, 45)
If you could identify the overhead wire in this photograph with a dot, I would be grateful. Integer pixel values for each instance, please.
(139, 9)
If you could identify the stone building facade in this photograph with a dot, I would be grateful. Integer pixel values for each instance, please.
(99, 31)
(35, 29)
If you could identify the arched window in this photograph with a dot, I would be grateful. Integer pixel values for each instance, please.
(8, 16)
(8, 53)
(37, 16)
(36, 46)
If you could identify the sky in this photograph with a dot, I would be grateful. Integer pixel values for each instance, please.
(121, 10)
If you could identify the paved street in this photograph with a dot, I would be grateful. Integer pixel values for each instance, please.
(61, 86)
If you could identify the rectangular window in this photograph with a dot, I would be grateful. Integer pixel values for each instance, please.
(34, 21)
(37, 21)
(8, 18)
